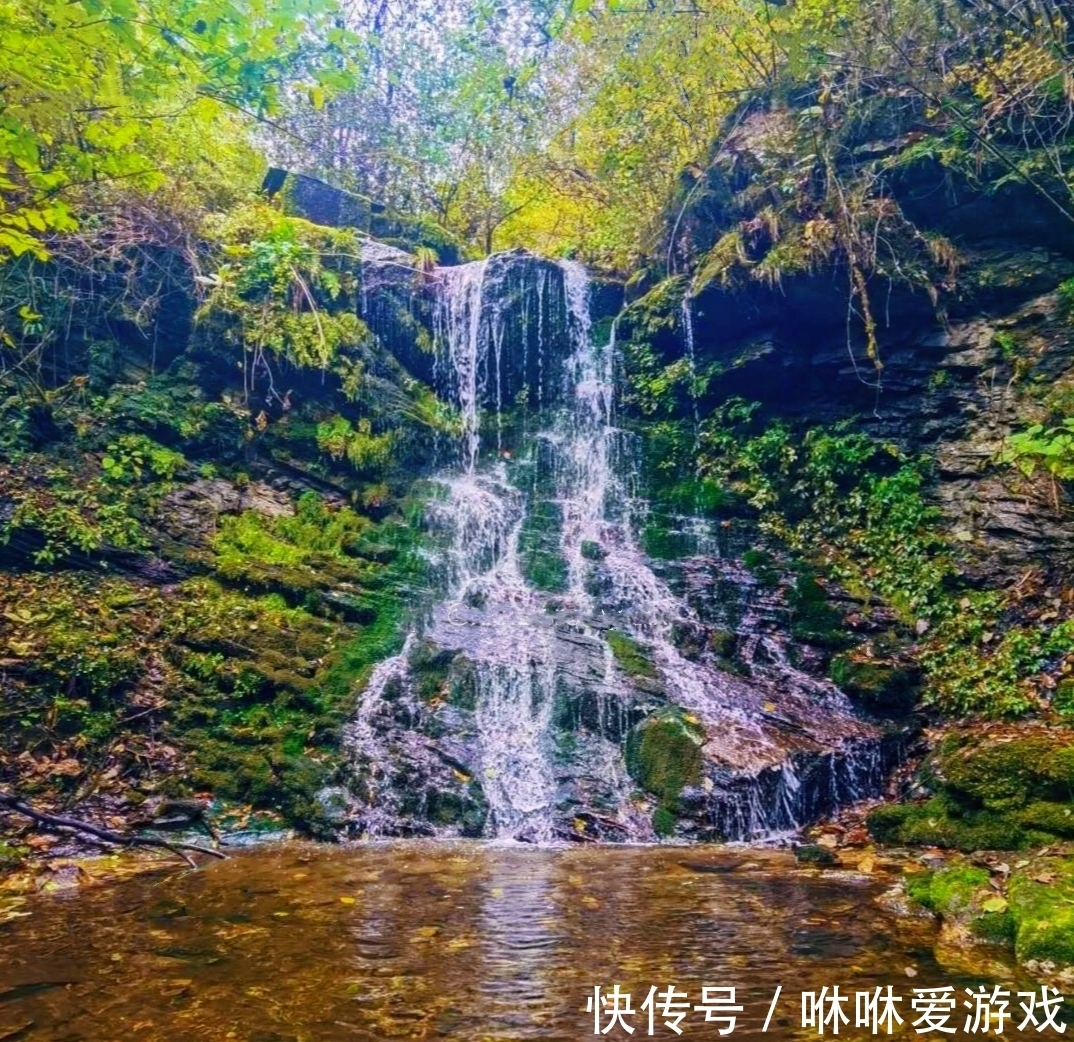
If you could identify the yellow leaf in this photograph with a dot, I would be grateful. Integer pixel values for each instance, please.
(348, 900)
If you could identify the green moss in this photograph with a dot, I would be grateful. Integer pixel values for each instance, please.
(723, 643)
(462, 684)
(943, 822)
(1042, 904)
(995, 927)
(10, 857)
(814, 621)
(660, 540)
(1003, 772)
(961, 893)
(663, 754)
(878, 685)
(431, 666)
(1057, 819)
(885, 823)
(1063, 697)
(540, 550)
(762, 565)
(953, 890)
(664, 822)
(630, 655)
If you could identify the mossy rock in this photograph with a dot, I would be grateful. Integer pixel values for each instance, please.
(1004, 772)
(996, 789)
(630, 655)
(885, 823)
(540, 552)
(664, 822)
(1054, 818)
(663, 754)
(814, 854)
(461, 684)
(814, 620)
(430, 665)
(10, 857)
(1042, 904)
(950, 891)
(881, 686)
(723, 643)
(761, 565)
(1063, 697)
(940, 822)
(962, 894)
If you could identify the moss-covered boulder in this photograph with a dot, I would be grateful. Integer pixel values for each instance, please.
(962, 896)
(1031, 911)
(997, 788)
(880, 685)
(1042, 907)
(663, 754)
(1005, 771)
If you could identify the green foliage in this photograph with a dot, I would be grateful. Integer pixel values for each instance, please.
(367, 452)
(859, 510)
(974, 666)
(1039, 448)
(286, 288)
(1065, 292)
(100, 98)
(133, 456)
(60, 510)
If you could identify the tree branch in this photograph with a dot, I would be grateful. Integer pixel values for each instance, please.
(104, 835)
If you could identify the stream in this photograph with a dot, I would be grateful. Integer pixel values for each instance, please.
(464, 940)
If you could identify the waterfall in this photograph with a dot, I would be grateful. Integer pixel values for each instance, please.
(532, 680)
(460, 335)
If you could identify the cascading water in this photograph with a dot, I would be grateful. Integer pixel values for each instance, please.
(507, 713)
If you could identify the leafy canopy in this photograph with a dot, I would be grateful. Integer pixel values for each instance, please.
(104, 98)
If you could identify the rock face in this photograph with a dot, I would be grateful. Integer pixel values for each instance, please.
(190, 513)
(992, 355)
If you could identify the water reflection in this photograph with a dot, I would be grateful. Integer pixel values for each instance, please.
(459, 941)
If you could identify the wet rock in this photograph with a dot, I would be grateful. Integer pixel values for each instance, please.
(814, 854)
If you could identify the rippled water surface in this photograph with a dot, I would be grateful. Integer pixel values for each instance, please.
(437, 941)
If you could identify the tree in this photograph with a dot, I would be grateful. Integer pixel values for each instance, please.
(98, 94)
